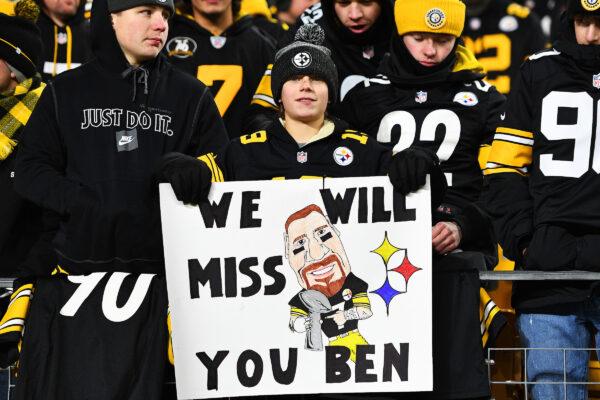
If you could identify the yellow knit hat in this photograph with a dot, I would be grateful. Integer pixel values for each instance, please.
(434, 16)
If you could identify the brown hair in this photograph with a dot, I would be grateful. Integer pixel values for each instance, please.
(302, 213)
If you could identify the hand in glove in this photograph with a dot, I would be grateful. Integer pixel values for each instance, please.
(189, 177)
(409, 169)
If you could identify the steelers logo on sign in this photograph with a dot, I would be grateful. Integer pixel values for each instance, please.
(302, 60)
(347, 294)
(590, 5)
(435, 18)
(343, 156)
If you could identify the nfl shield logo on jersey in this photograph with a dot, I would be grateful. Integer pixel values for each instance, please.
(421, 97)
(218, 41)
(596, 81)
(343, 156)
(466, 99)
(302, 157)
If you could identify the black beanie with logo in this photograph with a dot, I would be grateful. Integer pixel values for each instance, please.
(120, 5)
(306, 55)
(20, 39)
(583, 8)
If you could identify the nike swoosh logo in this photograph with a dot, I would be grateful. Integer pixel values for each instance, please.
(125, 139)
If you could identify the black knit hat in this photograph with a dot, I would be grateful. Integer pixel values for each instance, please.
(20, 42)
(120, 5)
(583, 8)
(306, 55)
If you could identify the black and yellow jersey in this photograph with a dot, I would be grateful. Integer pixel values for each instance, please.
(64, 47)
(455, 118)
(101, 333)
(353, 293)
(543, 174)
(273, 154)
(501, 39)
(231, 64)
(545, 157)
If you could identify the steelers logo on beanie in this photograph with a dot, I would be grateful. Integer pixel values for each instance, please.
(435, 18)
(590, 5)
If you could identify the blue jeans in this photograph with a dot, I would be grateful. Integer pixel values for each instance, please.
(565, 331)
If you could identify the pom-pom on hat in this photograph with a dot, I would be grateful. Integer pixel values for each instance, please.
(20, 42)
(306, 55)
(432, 16)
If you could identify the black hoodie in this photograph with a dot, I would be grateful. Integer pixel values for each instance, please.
(64, 47)
(91, 146)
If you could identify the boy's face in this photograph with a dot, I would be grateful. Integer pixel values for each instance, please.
(141, 32)
(429, 49)
(358, 16)
(587, 30)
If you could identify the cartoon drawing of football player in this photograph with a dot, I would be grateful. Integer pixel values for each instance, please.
(331, 296)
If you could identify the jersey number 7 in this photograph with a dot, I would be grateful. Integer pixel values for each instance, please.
(230, 75)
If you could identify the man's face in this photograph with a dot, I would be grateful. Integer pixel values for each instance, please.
(62, 8)
(141, 32)
(357, 15)
(212, 8)
(429, 49)
(316, 254)
(587, 30)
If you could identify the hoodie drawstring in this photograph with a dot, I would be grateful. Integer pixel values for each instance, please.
(140, 75)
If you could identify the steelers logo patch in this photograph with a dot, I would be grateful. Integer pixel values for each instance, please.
(343, 156)
(302, 60)
(590, 5)
(347, 294)
(435, 18)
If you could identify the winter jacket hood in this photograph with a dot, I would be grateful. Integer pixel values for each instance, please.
(402, 69)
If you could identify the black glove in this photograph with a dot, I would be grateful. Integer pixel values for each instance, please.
(409, 169)
(189, 177)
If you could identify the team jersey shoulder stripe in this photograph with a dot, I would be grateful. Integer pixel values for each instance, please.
(360, 137)
(210, 160)
(515, 132)
(543, 53)
(380, 79)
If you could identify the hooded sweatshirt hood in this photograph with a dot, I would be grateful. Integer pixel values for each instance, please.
(401, 68)
(586, 56)
(105, 46)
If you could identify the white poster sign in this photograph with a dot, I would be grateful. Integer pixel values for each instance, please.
(304, 286)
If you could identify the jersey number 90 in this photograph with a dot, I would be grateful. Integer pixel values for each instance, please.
(580, 133)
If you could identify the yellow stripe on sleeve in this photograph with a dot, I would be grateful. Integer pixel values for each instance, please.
(510, 154)
(516, 132)
(295, 311)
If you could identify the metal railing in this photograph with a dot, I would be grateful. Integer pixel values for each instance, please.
(536, 276)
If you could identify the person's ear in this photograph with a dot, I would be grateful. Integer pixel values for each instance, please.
(285, 241)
